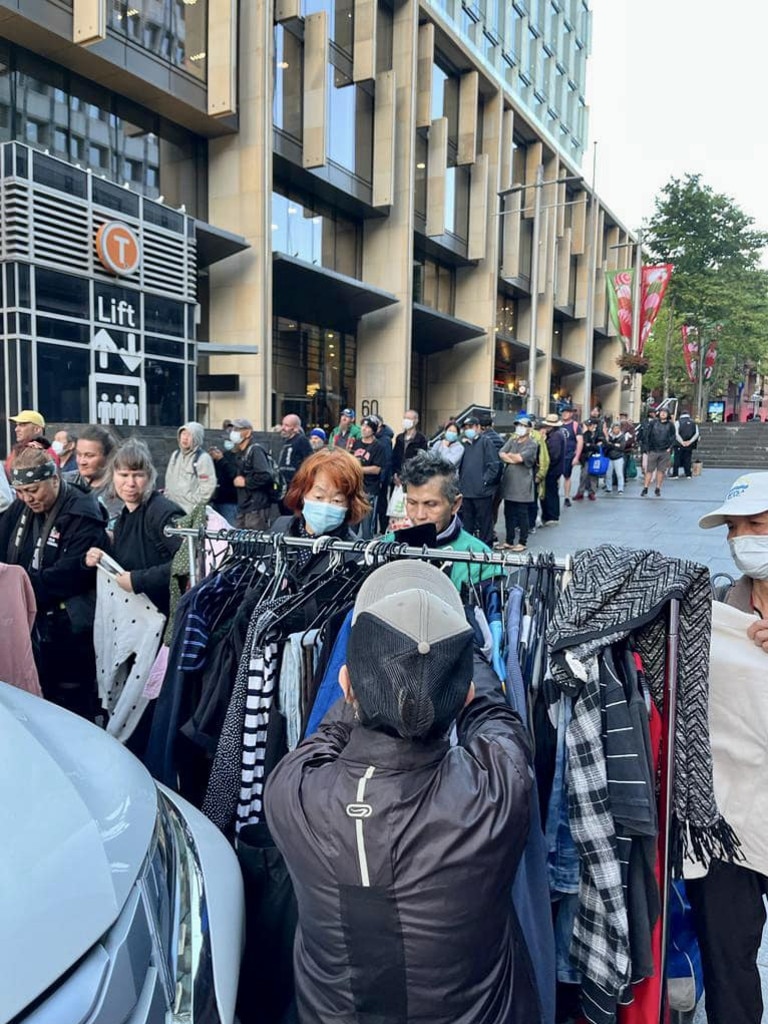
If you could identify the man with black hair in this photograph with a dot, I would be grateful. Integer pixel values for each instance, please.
(402, 849)
(432, 503)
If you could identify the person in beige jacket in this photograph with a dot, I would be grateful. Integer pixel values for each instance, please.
(190, 478)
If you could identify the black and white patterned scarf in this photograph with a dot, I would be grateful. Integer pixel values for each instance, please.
(615, 592)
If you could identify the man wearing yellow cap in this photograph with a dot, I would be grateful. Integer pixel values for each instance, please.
(29, 431)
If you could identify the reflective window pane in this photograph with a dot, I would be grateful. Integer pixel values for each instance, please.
(287, 107)
(62, 383)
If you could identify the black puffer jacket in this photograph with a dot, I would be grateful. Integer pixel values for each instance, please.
(659, 436)
(428, 935)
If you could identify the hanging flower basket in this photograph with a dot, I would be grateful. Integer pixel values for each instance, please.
(631, 362)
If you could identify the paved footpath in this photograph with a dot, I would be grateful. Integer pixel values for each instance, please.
(668, 524)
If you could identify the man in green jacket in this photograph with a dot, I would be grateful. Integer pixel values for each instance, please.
(347, 431)
(432, 496)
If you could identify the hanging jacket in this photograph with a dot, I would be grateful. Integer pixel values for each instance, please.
(17, 601)
(190, 478)
(405, 906)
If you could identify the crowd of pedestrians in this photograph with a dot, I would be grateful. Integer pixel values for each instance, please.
(65, 503)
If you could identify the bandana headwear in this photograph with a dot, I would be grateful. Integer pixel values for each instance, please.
(23, 476)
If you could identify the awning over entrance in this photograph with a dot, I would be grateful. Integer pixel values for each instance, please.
(436, 332)
(519, 350)
(599, 377)
(305, 292)
(214, 244)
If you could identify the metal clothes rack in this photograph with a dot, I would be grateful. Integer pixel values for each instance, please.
(381, 551)
(371, 550)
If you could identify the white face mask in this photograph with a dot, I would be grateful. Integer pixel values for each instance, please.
(58, 447)
(407, 424)
(235, 436)
(521, 431)
(750, 554)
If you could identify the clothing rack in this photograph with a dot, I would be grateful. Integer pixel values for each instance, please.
(380, 551)
(371, 550)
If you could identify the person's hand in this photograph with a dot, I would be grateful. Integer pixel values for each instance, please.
(239, 481)
(758, 633)
(575, 461)
(123, 580)
(93, 557)
(216, 454)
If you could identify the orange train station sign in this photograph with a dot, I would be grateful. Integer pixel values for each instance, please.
(118, 248)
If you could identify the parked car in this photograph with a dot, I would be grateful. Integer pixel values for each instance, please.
(119, 901)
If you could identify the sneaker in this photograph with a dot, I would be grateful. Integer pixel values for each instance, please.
(551, 522)
(620, 491)
(531, 529)
(578, 497)
(657, 492)
(592, 496)
(567, 502)
(518, 547)
(643, 492)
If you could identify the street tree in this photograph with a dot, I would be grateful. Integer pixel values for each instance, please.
(718, 285)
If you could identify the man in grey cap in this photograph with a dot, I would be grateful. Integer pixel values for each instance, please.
(728, 902)
(254, 478)
(402, 849)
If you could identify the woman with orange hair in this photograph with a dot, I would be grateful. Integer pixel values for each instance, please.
(326, 497)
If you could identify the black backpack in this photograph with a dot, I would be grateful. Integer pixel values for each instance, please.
(686, 428)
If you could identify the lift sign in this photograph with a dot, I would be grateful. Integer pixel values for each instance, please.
(118, 248)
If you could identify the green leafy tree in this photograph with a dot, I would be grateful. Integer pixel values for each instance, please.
(717, 286)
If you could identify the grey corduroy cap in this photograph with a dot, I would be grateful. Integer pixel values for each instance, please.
(410, 651)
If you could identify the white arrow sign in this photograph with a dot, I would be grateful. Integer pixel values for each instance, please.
(104, 343)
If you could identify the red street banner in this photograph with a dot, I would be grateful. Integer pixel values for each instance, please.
(709, 359)
(619, 285)
(654, 285)
(690, 350)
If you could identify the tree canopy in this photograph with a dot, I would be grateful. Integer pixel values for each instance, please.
(717, 281)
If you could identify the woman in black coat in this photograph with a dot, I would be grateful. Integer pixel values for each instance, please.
(47, 531)
(138, 543)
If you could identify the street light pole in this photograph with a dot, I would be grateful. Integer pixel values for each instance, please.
(589, 326)
(532, 346)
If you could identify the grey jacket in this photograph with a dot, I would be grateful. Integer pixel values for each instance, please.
(190, 478)
(402, 856)
(517, 482)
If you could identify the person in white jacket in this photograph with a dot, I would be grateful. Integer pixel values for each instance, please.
(190, 478)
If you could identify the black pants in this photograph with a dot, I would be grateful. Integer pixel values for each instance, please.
(477, 517)
(550, 503)
(729, 913)
(683, 458)
(516, 518)
(382, 501)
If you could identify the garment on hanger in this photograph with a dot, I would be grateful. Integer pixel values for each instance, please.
(127, 632)
(17, 617)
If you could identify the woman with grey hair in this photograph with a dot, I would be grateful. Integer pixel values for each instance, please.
(139, 544)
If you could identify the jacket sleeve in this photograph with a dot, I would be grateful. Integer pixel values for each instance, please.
(69, 575)
(492, 465)
(205, 479)
(488, 726)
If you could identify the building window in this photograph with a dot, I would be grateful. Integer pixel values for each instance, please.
(350, 125)
(434, 285)
(310, 232)
(506, 316)
(175, 30)
(340, 20)
(288, 79)
(313, 371)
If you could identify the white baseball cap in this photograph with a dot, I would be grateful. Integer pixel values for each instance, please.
(748, 496)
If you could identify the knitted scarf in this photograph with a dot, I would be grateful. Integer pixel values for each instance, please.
(615, 592)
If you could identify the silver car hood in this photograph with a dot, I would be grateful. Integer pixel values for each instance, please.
(77, 812)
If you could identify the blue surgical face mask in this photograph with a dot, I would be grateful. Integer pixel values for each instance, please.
(322, 517)
(470, 433)
(228, 446)
(451, 435)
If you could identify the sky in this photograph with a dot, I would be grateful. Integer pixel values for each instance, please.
(677, 86)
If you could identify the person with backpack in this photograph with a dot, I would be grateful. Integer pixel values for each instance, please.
(190, 478)
(255, 480)
(686, 439)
